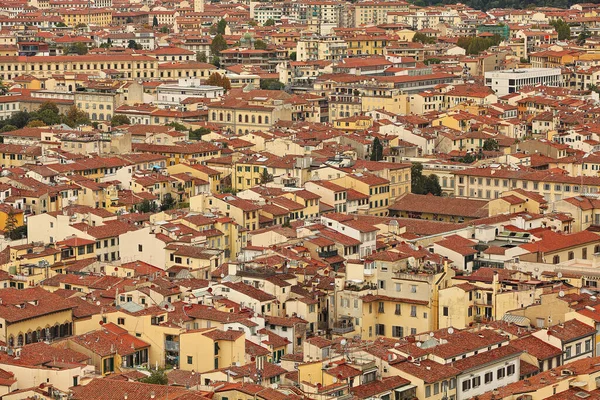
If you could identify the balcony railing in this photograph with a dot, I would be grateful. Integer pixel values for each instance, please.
(342, 328)
(171, 345)
(328, 253)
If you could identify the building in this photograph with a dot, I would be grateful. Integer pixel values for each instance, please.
(511, 81)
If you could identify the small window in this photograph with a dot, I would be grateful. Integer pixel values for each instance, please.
(190, 360)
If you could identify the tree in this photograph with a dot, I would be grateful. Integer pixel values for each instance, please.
(217, 45)
(293, 56)
(155, 21)
(216, 79)
(252, 23)
(266, 177)
(11, 221)
(562, 28)
(432, 61)
(157, 377)
(20, 119)
(216, 61)
(422, 38)
(132, 44)
(178, 127)
(201, 57)
(583, 36)
(197, 134)
(20, 232)
(269, 22)
(271, 84)
(260, 45)
(221, 25)
(129, 20)
(377, 150)
(491, 145)
(35, 123)
(120, 119)
(146, 206)
(164, 29)
(49, 106)
(423, 184)
(8, 128)
(81, 25)
(77, 48)
(75, 117)
(168, 202)
(3, 88)
(61, 25)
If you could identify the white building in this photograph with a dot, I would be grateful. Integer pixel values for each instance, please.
(174, 94)
(511, 81)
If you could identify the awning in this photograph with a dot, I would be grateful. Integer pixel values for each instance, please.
(405, 388)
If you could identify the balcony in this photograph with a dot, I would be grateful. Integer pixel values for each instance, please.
(327, 253)
(171, 346)
(341, 328)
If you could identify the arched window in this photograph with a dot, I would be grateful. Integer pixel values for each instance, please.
(266, 120)
(228, 117)
(214, 116)
(240, 118)
(555, 259)
(20, 340)
(101, 116)
(220, 116)
(246, 118)
(253, 119)
(260, 119)
(94, 116)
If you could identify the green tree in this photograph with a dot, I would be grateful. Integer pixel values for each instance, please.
(49, 106)
(260, 45)
(8, 128)
(157, 377)
(20, 232)
(77, 48)
(120, 119)
(217, 45)
(197, 134)
(19, 119)
(269, 22)
(168, 202)
(293, 56)
(3, 88)
(155, 21)
(562, 28)
(201, 57)
(377, 150)
(266, 177)
(422, 38)
(81, 26)
(271, 84)
(221, 25)
(421, 184)
(61, 25)
(146, 206)
(252, 23)
(491, 145)
(432, 61)
(216, 61)
(583, 36)
(178, 127)
(132, 44)
(164, 29)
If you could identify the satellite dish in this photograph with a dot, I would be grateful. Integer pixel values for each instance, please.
(559, 275)
(431, 334)
(396, 344)
(222, 276)
(334, 380)
(419, 344)
(98, 303)
(343, 342)
(561, 294)
(450, 330)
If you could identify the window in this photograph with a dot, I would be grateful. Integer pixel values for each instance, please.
(568, 352)
(190, 360)
(488, 377)
(588, 345)
(413, 288)
(578, 349)
(381, 309)
(428, 391)
(413, 311)
(121, 321)
(398, 310)
(445, 311)
(140, 248)
(380, 329)
(476, 381)
(510, 370)
(500, 373)
(466, 385)
(398, 287)
(397, 331)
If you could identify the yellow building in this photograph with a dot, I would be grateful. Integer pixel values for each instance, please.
(378, 190)
(94, 16)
